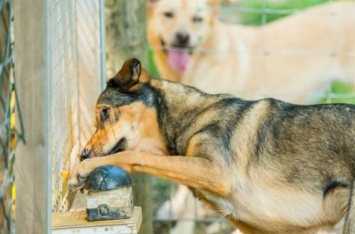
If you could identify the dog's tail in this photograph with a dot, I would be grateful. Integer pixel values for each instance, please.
(349, 226)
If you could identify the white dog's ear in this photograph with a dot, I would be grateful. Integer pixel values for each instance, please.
(151, 6)
(214, 3)
(152, 1)
(231, 1)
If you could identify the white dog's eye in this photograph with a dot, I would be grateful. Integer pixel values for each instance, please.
(168, 14)
(197, 19)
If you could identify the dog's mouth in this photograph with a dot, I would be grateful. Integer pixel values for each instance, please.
(189, 49)
(178, 56)
(120, 146)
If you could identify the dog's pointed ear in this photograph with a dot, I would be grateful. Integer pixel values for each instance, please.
(214, 3)
(152, 1)
(151, 5)
(130, 75)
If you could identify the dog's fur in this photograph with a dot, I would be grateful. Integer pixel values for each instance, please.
(293, 58)
(267, 166)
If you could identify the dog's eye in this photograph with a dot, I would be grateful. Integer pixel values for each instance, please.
(168, 14)
(104, 113)
(197, 19)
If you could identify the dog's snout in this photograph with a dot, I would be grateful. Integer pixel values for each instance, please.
(182, 37)
(85, 154)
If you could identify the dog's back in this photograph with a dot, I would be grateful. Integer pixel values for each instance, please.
(291, 164)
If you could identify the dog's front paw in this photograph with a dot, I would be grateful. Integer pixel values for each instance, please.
(79, 174)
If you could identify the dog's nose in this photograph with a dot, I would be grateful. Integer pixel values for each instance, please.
(182, 37)
(85, 154)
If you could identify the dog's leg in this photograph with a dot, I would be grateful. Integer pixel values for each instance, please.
(196, 172)
(349, 226)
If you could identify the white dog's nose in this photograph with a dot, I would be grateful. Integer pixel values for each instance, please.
(182, 37)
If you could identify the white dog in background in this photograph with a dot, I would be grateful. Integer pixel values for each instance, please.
(287, 59)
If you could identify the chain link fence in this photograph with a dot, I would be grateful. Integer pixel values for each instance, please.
(9, 134)
(64, 142)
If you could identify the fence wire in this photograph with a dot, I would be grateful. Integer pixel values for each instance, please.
(64, 139)
(10, 134)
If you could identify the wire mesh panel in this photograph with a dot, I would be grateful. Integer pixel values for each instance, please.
(64, 96)
(88, 26)
(6, 151)
(9, 135)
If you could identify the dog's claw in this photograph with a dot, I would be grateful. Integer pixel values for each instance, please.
(81, 179)
(75, 187)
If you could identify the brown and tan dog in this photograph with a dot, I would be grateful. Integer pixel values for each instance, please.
(295, 58)
(267, 166)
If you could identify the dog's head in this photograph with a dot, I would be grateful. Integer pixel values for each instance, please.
(126, 117)
(180, 27)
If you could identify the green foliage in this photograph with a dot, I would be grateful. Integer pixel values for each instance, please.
(339, 92)
(257, 12)
(152, 69)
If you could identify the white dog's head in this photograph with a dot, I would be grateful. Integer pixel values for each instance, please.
(180, 27)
